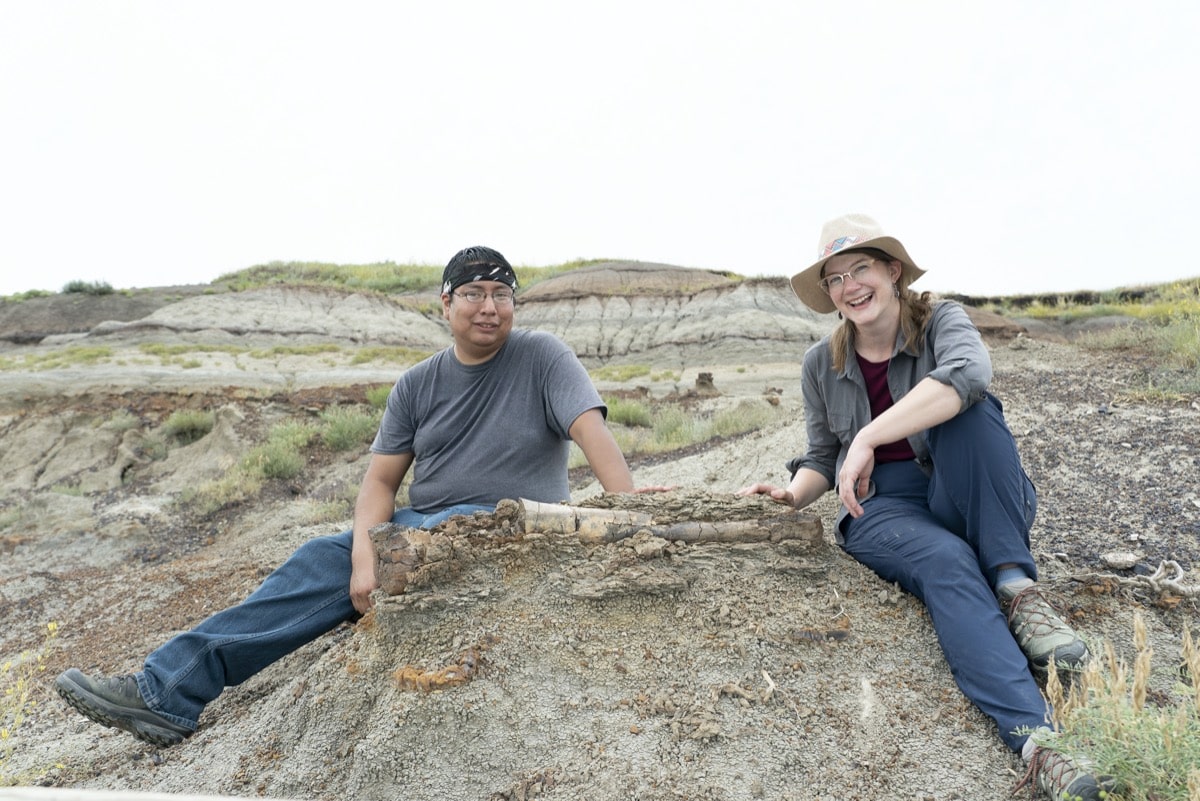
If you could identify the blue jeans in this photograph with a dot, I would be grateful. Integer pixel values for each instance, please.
(305, 597)
(942, 537)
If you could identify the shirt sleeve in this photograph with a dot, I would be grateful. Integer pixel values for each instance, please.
(823, 444)
(397, 428)
(569, 391)
(961, 359)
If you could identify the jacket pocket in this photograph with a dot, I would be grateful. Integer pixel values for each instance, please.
(841, 423)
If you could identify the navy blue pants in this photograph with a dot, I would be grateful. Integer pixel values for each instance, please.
(942, 537)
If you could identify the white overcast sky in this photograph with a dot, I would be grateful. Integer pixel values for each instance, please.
(1013, 147)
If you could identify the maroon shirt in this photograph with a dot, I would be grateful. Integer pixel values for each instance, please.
(875, 376)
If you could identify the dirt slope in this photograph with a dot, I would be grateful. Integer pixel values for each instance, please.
(647, 669)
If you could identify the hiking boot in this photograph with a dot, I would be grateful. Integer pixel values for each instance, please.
(1040, 632)
(116, 702)
(1063, 779)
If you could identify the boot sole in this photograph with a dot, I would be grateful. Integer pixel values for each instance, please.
(1068, 659)
(142, 724)
(1089, 787)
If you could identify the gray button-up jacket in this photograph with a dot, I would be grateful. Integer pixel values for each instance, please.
(836, 406)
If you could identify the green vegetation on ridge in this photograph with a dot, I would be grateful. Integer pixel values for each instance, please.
(1156, 327)
(386, 277)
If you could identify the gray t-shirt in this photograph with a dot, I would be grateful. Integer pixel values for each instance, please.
(482, 432)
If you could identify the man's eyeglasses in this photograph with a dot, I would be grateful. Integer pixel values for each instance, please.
(858, 272)
(501, 297)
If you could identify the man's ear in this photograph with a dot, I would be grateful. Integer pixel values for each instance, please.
(446, 305)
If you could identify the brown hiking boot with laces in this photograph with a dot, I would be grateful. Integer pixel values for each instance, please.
(1040, 632)
(1063, 779)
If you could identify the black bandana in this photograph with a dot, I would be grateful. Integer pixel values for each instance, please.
(477, 264)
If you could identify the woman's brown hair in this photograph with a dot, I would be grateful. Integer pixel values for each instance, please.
(915, 309)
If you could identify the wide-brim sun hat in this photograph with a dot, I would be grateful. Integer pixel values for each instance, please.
(848, 232)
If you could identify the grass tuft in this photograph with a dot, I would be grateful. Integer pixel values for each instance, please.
(377, 396)
(281, 456)
(19, 687)
(628, 413)
(1113, 718)
(344, 428)
(186, 426)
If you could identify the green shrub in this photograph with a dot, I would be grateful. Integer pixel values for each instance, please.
(188, 425)
(274, 460)
(344, 428)
(1179, 342)
(377, 396)
(88, 288)
(675, 427)
(291, 434)
(628, 412)
(281, 455)
(747, 416)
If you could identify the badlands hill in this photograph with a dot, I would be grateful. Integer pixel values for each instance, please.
(645, 669)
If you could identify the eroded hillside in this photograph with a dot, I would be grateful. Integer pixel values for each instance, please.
(647, 668)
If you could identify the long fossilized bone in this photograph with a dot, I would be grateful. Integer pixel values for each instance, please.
(596, 526)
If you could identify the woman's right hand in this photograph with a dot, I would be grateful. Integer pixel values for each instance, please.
(777, 494)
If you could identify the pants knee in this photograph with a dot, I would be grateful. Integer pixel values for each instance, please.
(953, 566)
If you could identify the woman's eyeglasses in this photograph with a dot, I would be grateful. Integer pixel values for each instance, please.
(858, 272)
